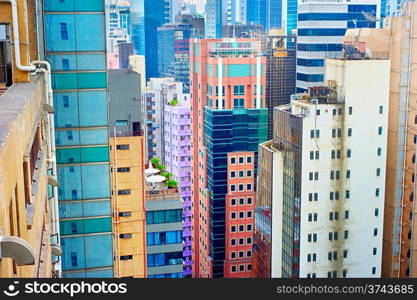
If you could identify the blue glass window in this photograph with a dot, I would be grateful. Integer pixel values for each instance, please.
(310, 77)
(64, 32)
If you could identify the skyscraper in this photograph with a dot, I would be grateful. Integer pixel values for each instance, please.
(268, 13)
(280, 71)
(320, 199)
(214, 18)
(321, 27)
(147, 16)
(229, 120)
(79, 83)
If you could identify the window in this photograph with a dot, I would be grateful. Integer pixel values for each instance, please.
(381, 110)
(233, 160)
(241, 187)
(241, 174)
(126, 257)
(377, 192)
(239, 90)
(121, 123)
(376, 212)
(346, 234)
(232, 215)
(239, 103)
(248, 241)
(378, 172)
(241, 228)
(348, 174)
(379, 130)
(232, 174)
(232, 255)
(374, 251)
(249, 214)
(350, 110)
(347, 194)
(233, 202)
(64, 31)
(241, 201)
(249, 227)
(379, 151)
(249, 159)
(123, 170)
(375, 231)
(346, 214)
(123, 192)
(233, 269)
(249, 201)
(241, 160)
(233, 228)
(373, 270)
(249, 187)
(241, 215)
(349, 153)
(248, 173)
(349, 131)
(125, 214)
(232, 188)
(122, 147)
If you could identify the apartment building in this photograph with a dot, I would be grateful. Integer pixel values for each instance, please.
(29, 220)
(320, 204)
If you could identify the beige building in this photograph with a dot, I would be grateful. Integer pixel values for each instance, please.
(137, 62)
(128, 199)
(397, 41)
(29, 232)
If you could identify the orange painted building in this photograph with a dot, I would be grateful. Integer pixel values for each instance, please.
(227, 85)
(240, 201)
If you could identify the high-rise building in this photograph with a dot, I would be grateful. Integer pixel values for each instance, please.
(117, 24)
(241, 30)
(127, 159)
(321, 27)
(177, 157)
(173, 40)
(29, 222)
(79, 82)
(125, 51)
(214, 18)
(268, 13)
(234, 12)
(229, 120)
(146, 17)
(164, 227)
(280, 71)
(320, 198)
(155, 97)
(396, 43)
(196, 22)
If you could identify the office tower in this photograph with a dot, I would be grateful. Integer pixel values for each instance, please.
(214, 18)
(156, 95)
(234, 12)
(173, 40)
(280, 71)
(164, 227)
(321, 27)
(177, 139)
(117, 24)
(177, 6)
(29, 236)
(196, 22)
(396, 43)
(125, 51)
(320, 204)
(229, 120)
(137, 63)
(127, 175)
(241, 30)
(78, 62)
(147, 16)
(268, 13)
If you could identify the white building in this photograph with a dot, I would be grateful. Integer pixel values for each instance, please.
(157, 93)
(328, 175)
(321, 27)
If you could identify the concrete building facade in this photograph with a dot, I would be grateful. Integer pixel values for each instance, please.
(320, 201)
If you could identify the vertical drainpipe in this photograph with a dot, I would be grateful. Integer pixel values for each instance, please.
(220, 68)
(258, 82)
